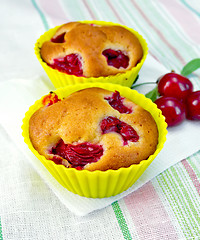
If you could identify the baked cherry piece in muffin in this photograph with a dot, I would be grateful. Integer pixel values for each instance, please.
(93, 129)
(92, 50)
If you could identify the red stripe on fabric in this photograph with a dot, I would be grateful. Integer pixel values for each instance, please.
(89, 10)
(149, 215)
(159, 33)
(192, 175)
(54, 11)
(187, 20)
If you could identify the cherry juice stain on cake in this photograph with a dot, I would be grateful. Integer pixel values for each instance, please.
(50, 99)
(113, 124)
(116, 101)
(70, 64)
(116, 58)
(77, 155)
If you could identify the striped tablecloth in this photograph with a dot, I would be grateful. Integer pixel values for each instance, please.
(167, 207)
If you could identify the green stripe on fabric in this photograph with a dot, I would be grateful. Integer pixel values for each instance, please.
(1, 235)
(190, 188)
(189, 221)
(172, 31)
(101, 10)
(44, 21)
(183, 207)
(194, 161)
(76, 10)
(163, 183)
(140, 25)
(156, 18)
(191, 8)
(73, 10)
(121, 221)
(192, 197)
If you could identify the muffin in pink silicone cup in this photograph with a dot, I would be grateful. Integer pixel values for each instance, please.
(91, 51)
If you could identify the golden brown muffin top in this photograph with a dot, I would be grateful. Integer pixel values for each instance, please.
(95, 47)
(91, 116)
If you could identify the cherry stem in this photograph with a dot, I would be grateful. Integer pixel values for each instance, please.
(137, 85)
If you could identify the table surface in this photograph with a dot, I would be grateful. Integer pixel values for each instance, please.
(168, 206)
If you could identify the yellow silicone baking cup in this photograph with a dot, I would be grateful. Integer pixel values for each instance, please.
(60, 79)
(99, 184)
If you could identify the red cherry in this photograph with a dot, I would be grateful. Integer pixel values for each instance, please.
(174, 85)
(78, 155)
(59, 39)
(173, 110)
(116, 58)
(193, 106)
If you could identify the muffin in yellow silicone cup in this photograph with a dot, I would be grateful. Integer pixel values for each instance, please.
(91, 51)
(118, 120)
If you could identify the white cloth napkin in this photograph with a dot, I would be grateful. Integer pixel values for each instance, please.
(18, 94)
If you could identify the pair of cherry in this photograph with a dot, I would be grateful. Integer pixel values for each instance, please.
(177, 99)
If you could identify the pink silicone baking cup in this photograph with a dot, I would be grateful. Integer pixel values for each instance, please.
(60, 79)
(99, 184)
